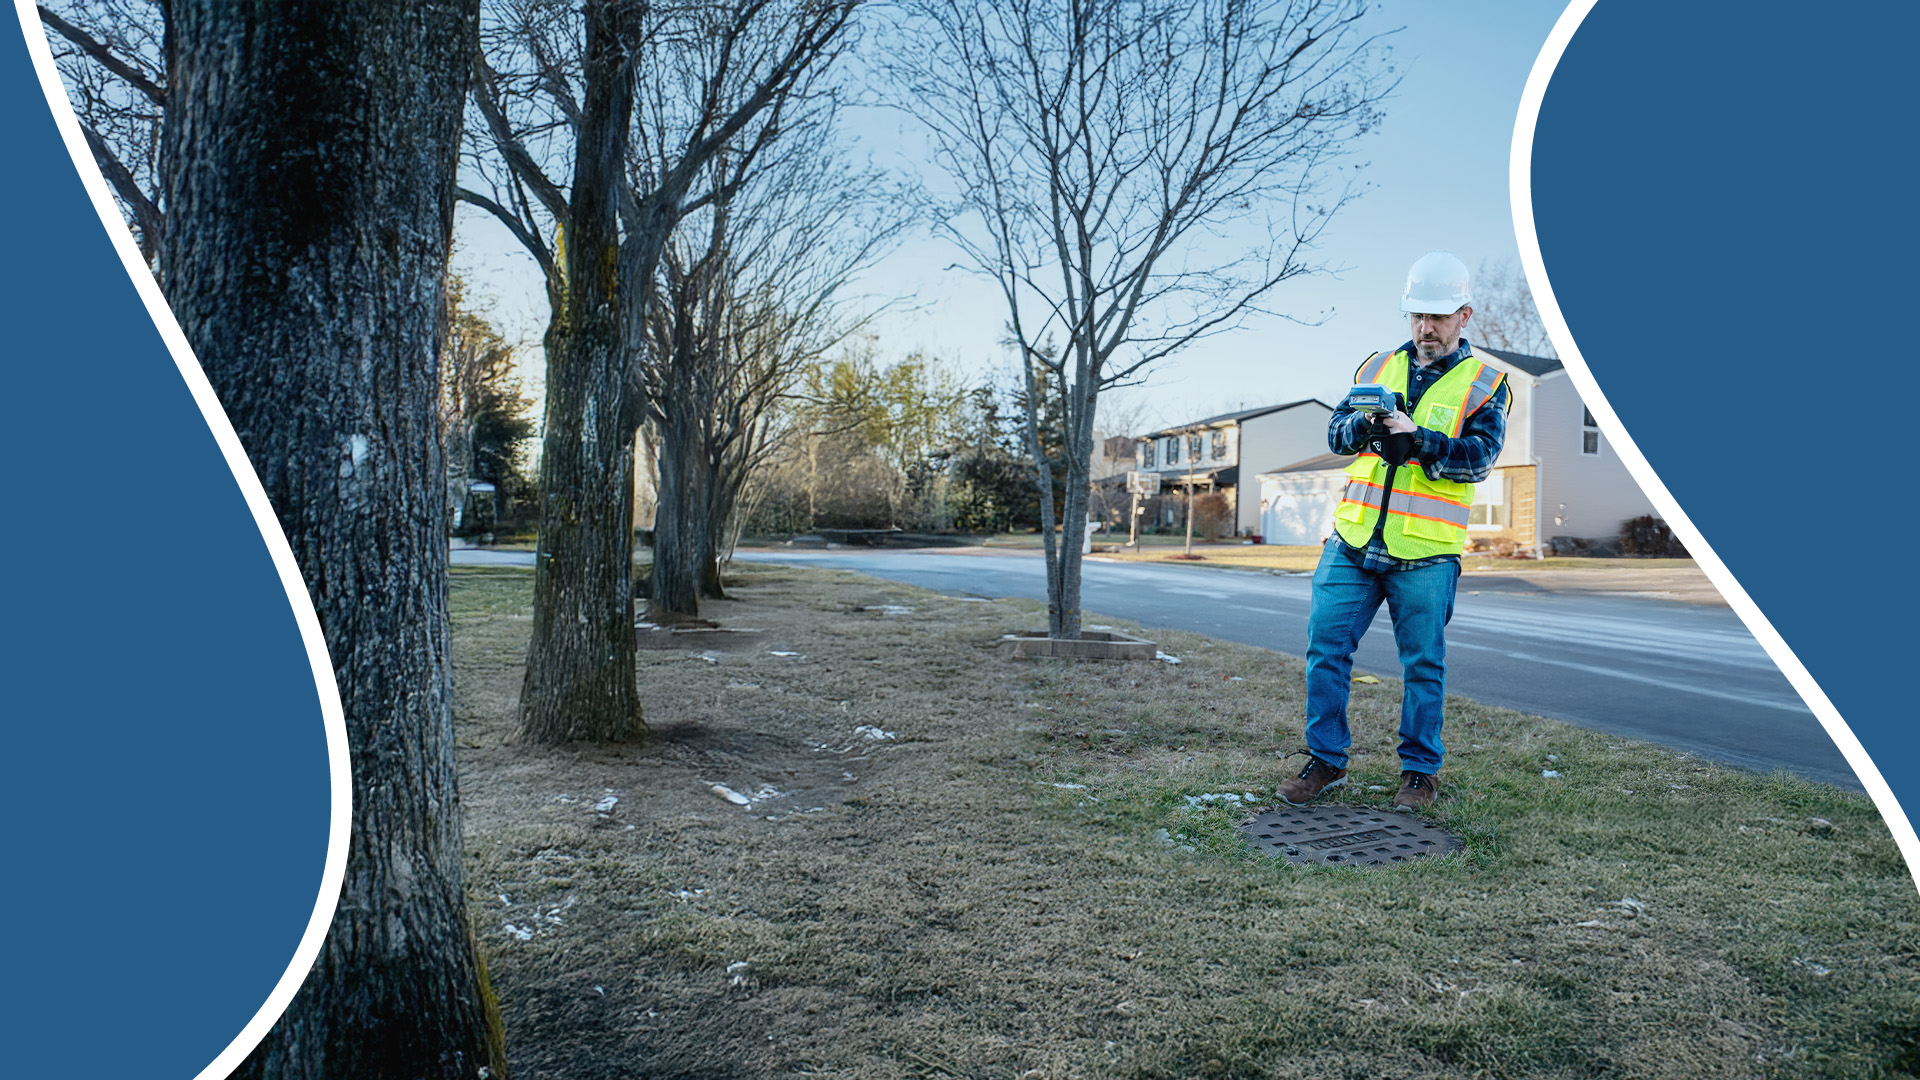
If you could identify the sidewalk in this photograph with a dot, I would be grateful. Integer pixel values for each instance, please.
(477, 556)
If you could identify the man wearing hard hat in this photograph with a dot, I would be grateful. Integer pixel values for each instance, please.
(1400, 528)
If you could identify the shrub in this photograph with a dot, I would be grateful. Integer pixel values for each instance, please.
(1648, 535)
(1212, 515)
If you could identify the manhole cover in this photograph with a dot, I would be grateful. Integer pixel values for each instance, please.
(1345, 836)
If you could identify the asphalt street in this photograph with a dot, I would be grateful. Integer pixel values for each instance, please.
(1688, 676)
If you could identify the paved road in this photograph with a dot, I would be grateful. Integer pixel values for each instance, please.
(1684, 675)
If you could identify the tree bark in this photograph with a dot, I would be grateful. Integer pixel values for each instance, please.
(679, 525)
(580, 667)
(723, 494)
(310, 161)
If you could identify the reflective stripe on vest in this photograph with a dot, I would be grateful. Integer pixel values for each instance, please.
(1431, 507)
(1370, 370)
(1485, 385)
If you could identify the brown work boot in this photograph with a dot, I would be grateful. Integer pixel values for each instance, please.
(1314, 780)
(1418, 790)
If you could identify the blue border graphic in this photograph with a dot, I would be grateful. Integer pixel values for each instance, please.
(171, 790)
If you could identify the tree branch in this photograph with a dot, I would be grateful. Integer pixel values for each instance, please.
(147, 217)
(139, 81)
(525, 169)
(518, 227)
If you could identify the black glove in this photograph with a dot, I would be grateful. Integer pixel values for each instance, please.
(1394, 449)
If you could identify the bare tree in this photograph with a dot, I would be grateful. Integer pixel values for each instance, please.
(1504, 315)
(750, 293)
(1098, 150)
(555, 89)
(305, 265)
(112, 58)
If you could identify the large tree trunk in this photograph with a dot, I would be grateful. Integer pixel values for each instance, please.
(717, 508)
(580, 666)
(310, 159)
(680, 526)
(1073, 526)
(721, 496)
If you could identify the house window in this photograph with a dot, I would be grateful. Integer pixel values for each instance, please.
(1491, 508)
(1589, 432)
(1173, 450)
(1146, 453)
(1193, 446)
(1219, 443)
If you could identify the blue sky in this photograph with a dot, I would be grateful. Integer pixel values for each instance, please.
(1437, 178)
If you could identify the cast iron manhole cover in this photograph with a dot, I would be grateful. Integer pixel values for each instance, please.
(1345, 836)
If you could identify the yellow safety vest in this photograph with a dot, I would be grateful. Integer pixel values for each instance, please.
(1424, 517)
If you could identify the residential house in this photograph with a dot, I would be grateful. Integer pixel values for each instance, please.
(1556, 476)
(1213, 454)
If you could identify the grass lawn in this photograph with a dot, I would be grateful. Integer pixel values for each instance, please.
(956, 864)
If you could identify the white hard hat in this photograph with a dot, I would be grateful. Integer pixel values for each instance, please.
(1437, 285)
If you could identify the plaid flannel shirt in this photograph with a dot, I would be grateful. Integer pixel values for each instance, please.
(1467, 458)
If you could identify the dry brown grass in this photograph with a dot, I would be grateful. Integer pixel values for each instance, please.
(938, 905)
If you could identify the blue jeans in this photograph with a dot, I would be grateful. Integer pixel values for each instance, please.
(1345, 598)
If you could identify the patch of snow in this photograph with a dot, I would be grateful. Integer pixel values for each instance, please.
(1227, 798)
(873, 734)
(1164, 657)
(521, 932)
(780, 652)
(606, 805)
(1818, 969)
(730, 795)
(1549, 774)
